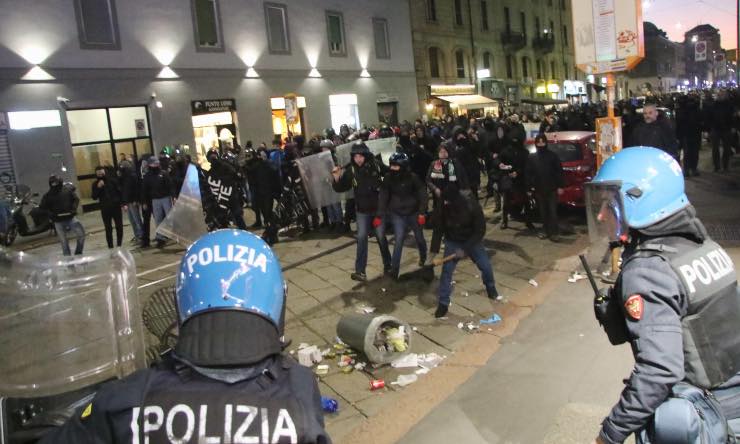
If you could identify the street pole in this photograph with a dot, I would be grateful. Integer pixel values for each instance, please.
(474, 62)
(737, 43)
(610, 93)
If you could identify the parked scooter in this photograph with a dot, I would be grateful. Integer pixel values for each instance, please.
(15, 213)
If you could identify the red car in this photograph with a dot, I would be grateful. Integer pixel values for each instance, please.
(576, 150)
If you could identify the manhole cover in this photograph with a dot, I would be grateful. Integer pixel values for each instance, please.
(723, 232)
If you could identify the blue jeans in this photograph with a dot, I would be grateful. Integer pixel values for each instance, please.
(334, 213)
(401, 226)
(65, 228)
(479, 256)
(134, 217)
(160, 208)
(364, 224)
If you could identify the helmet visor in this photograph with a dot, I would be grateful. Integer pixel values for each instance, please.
(605, 211)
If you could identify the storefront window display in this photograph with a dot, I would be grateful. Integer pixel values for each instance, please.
(344, 111)
(214, 126)
(279, 122)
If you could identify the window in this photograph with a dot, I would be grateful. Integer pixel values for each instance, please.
(97, 24)
(23, 120)
(431, 10)
(276, 18)
(539, 69)
(525, 67)
(434, 62)
(460, 63)
(565, 70)
(483, 15)
(335, 33)
(565, 35)
(537, 27)
(507, 20)
(206, 23)
(523, 22)
(458, 13)
(380, 30)
(486, 60)
(344, 111)
(509, 67)
(553, 70)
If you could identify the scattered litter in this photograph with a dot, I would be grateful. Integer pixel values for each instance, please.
(581, 335)
(460, 325)
(377, 384)
(302, 345)
(347, 370)
(383, 289)
(494, 319)
(366, 309)
(606, 273)
(309, 355)
(422, 371)
(465, 294)
(477, 275)
(360, 366)
(575, 277)
(490, 329)
(329, 353)
(430, 360)
(329, 405)
(410, 360)
(453, 282)
(345, 361)
(396, 339)
(292, 352)
(322, 369)
(469, 326)
(380, 338)
(533, 283)
(414, 328)
(404, 380)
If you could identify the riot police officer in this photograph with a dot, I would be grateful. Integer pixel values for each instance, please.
(676, 301)
(226, 380)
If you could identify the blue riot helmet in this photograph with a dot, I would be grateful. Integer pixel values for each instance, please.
(400, 159)
(230, 300)
(635, 188)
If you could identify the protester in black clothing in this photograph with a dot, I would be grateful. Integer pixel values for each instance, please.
(364, 175)
(719, 119)
(264, 183)
(549, 124)
(130, 196)
(688, 130)
(107, 191)
(225, 185)
(516, 135)
(654, 132)
(157, 192)
(511, 164)
(419, 160)
(61, 202)
(425, 142)
(465, 153)
(544, 176)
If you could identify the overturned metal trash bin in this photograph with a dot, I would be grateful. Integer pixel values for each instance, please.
(364, 333)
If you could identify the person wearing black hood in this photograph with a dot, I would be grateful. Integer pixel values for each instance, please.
(544, 176)
(403, 197)
(419, 160)
(264, 183)
(61, 203)
(130, 196)
(364, 175)
(224, 183)
(464, 227)
(107, 191)
(466, 154)
(156, 192)
(549, 123)
(688, 130)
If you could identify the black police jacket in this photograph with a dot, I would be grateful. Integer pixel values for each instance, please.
(280, 404)
(660, 305)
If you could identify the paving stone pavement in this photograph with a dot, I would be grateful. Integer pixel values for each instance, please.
(320, 291)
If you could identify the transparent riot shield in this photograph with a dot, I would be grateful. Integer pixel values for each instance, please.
(316, 177)
(67, 324)
(185, 222)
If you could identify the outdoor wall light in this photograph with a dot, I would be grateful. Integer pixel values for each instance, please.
(167, 73)
(251, 73)
(314, 73)
(364, 73)
(429, 107)
(37, 74)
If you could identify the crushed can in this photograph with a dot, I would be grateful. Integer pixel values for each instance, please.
(377, 384)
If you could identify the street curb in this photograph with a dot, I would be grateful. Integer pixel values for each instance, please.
(421, 398)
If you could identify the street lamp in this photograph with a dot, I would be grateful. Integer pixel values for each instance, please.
(694, 38)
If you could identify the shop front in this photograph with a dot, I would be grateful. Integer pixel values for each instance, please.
(280, 126)
(214, 125)
(344, 111)
(575, 91)
(459, 100)
(104, 137)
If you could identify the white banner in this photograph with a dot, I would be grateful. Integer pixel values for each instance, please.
(700, 51)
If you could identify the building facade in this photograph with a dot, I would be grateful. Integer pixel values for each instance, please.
(663, 70)
(82, 83)
(706, 61)
(505, 50)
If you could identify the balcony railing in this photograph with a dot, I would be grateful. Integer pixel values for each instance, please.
(543, 43)
(513, 41)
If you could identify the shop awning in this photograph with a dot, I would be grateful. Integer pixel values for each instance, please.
(544, 101)
(468, 101)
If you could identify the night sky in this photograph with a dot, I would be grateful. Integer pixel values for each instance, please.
(668, 14)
